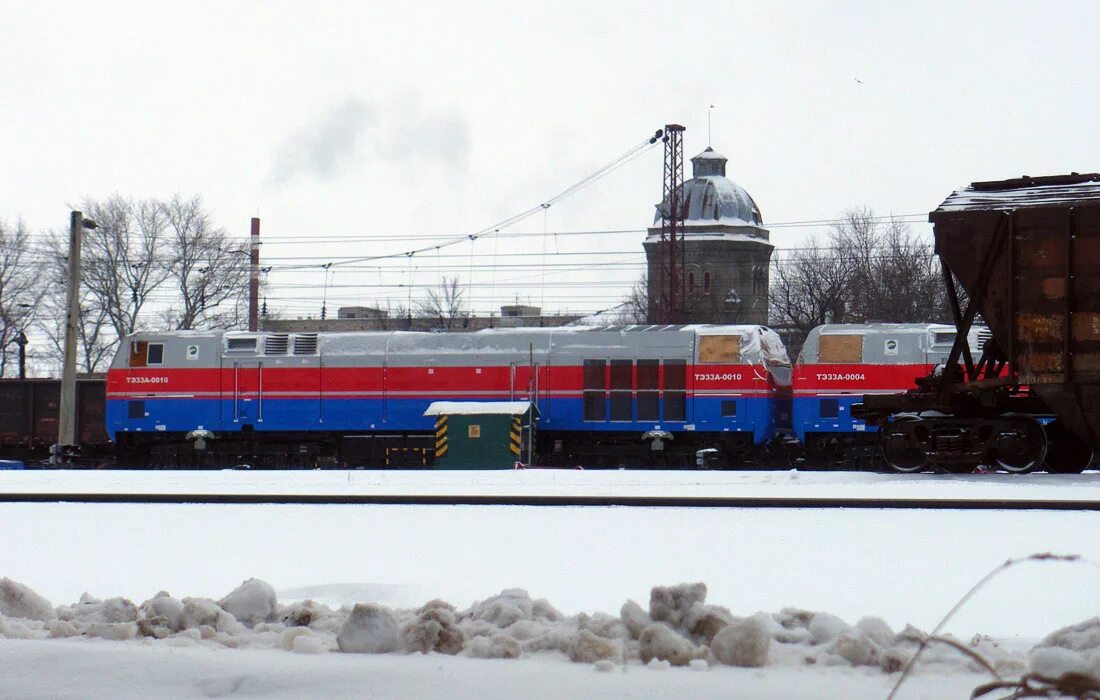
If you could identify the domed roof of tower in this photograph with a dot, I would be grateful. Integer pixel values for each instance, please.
(709, 197)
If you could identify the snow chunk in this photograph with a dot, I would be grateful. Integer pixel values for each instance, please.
(671, 604)
(500, 646)
(877, 630)
(856, 648)
(587, 647)
(115, 631)
(289, 635)
(110, 611)
(434, 629)
(1084, 636)
(17, 600)
(659, 641)
(203, 612)
(635, 619)
(251, 602)
(308, 644)
(825, 628)
(745, 643)
(370, 629)
(163, 609)
(699, 665)
(59, 629)
(704, 621)
(605, 666)
(13, 629)
(510, 606)
(1054, 662)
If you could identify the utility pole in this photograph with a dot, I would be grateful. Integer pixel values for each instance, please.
(254, 277)
(66, 423)
(21, 341)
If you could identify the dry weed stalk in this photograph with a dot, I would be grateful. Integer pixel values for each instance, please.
(1022, 685)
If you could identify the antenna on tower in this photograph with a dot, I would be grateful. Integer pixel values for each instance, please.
(710, 142)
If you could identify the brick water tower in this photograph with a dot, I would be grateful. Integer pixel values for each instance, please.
(725, 253)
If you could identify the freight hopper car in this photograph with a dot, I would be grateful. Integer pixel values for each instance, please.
(1027, 254)
(640, 395)
(841, 363)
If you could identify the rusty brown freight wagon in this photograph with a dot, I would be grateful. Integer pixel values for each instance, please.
(28, 417)
(1026, 252)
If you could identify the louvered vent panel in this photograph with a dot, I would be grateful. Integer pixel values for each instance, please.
(276, 344)
(305, 344)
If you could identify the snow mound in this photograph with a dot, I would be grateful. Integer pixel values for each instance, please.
(371, 629)
(163, 610)
(17, 600)
(251, 602)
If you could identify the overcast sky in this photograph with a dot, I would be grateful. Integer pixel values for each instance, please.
(376, 120)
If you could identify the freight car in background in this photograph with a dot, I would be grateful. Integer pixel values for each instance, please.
(630, 396)
(28, 419)
(1027, 254)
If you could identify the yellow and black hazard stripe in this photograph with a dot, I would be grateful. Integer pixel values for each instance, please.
(516, 436)
(440, 436)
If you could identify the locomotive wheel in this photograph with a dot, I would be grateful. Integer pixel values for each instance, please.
(1021, 445)
(901, 446)
(1066, 452)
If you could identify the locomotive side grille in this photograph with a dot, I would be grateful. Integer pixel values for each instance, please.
(305, 344)
(276, 344)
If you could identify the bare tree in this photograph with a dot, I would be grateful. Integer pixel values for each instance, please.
(21, 289)
(811, 287)
(867, 270)
(95, 340)
(445, 305)
(634, 306)
(209, 271)
(123, 260)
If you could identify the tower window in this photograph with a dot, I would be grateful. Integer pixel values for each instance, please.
(691, 281)
(706, 283)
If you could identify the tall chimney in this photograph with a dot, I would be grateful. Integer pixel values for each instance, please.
(254, 278)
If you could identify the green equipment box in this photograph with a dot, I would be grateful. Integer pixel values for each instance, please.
(482, 434)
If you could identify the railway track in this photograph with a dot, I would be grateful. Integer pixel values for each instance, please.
(564, 500)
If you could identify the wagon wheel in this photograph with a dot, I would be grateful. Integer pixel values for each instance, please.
(902, 447)
(1021, 445)
(1066, 452)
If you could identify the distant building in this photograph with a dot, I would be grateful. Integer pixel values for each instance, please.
(366, 318)
(726, 250)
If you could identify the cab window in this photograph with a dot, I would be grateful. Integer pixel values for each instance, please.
(156, 354)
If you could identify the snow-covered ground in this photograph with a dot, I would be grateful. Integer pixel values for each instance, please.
(567, 482)
(906, 567)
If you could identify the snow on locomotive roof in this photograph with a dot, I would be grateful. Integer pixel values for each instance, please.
(1023, 192)
(478, 408)
(868, 328)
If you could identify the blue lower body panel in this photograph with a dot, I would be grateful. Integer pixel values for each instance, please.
(756, 416)
(826, 414)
